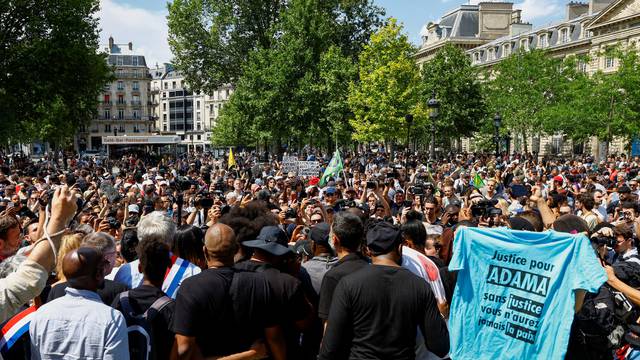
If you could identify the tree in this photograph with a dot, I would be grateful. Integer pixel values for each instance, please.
(523, 89)
(388, 86)
(211, 39)
(51, 73)
(286, 88)
(455, 82)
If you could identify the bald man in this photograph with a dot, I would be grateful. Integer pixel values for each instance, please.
(84, 327)
(207, 324)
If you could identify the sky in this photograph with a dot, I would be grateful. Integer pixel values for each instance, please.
(143, 22)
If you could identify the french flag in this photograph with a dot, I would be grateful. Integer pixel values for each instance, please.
(174, 275)
(15, 328)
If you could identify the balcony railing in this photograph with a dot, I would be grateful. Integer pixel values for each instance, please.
(131, 75)
(106, 102)
(121, 102)
(136, 102)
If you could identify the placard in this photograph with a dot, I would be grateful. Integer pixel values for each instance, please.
(308, 168)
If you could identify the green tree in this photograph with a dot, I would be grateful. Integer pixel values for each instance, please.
(523, 88)
(287, 89)
(211, 39)
(388, 86)
(456, 84)
(50, 71)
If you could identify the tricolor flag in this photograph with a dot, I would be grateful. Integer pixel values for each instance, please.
(174, 276)
(333, 169)
(232, 161)
(13, 330)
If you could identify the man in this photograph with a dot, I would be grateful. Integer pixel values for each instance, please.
(158, 227)
(79, 325)
(330, 196)
(489, 191)
(109, 290)
(293, 309)
(625, 247)
(345, 238)
(31, 231)
(9, 236)
(584, 207)
(223, 311)
(323, 259)
(154, 261)
(375, 312)
(450, 197)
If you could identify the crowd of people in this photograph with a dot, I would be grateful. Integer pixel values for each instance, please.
(190, 258)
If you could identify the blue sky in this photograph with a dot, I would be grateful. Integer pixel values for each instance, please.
(143, 21)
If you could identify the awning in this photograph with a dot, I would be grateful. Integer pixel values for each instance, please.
(140, 140)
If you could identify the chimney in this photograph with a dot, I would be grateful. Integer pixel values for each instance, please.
(130, 46)
(595, 6)
(576, 9)
(516, 17)
(110, 42)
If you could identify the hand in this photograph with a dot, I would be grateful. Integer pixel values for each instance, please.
(246, 199)
(104, 226)
(63, 207)
(536, 194)
(611, 274)
(605, 231)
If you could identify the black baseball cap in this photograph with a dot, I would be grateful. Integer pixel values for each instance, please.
(320, 233)
(383, 237)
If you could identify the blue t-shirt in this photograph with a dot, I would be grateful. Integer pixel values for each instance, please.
(514, 297)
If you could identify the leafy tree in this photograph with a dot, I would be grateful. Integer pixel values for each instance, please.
(523, 88)
(210, 39)
(50, 71)
(457, 88)
(388, 86)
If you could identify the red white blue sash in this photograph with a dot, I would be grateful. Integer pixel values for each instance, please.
(174, 275)
(15, 328)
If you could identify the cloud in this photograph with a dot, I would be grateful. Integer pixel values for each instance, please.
(147, 30)
(536, 9)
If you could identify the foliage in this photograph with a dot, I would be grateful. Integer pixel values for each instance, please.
(51, 74)
(457, 88)
(388, 86)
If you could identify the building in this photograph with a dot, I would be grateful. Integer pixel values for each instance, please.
(124, 104)
(183, 112)
(468, 26)
(587, 29)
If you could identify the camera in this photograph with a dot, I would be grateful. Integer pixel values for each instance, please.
(182, 183)
(372, 185)
(604, 240)
(291, 213)
(205, 202)
(417, 189)
(485, 208)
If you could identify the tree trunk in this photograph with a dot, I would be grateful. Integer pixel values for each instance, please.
(524, 142)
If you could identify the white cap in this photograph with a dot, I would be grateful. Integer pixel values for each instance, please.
(147, 182)
(133, 208)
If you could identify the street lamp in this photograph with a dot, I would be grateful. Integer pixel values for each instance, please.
(497, 122)
(434, 111)
(409, 119)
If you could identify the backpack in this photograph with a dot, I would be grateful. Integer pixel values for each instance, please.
(139, 327)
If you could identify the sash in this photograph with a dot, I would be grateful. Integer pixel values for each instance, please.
(15, 328)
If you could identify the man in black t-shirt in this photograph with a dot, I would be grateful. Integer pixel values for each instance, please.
(154, 261)
(376, 311)
(293, 310)
(346, 236)
(224, 311)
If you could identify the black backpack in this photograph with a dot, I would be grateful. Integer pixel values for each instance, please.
(139, 327)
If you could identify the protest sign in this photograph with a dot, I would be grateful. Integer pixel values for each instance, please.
(289, 164)
(308, 168)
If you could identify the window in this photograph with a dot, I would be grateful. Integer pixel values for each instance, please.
(136, 114)
(134, 60)
(609, 62)
(226, 94)
(119, 60)
(107, 128)
(524, 44)
(107, 98)
(107, 114)
(120, 85)
(120, 114)
(164, 106)
(582, 66)
(174, 85)
(164, 127)
(210, 107)
(120, 99)
(492, 54)
(136, 86)
(198, 127)
(198, 104)
(164, 117)
(166, 86)
(198, 116)
(107, 87)
(544, 41)
(198, 137)
(564, 35)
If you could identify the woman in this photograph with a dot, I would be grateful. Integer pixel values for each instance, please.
(188, 244)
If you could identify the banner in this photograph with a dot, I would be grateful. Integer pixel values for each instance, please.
(514, 297)
(308, 168)
(289, 164)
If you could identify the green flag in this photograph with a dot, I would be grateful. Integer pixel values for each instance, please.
(477, 181)
(333, 169)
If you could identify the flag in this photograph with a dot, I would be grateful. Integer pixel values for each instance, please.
(15, 328)
(477, 181)
(333, 169)
(232, 161)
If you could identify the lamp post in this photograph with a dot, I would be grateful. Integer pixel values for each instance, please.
(409, 119)
(434, 110)
(497, 122)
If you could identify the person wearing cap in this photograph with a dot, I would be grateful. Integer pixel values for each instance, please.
(376, 312)
(294, 311)
(223, 310)
(323, 258)
(330, 196)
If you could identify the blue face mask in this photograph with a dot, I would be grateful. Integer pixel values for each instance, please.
(170, 212)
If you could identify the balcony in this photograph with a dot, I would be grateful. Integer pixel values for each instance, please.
(106, 103)
(131, 75)
(136, 102)
(120, 89)
(135, 90)
(121, 102)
